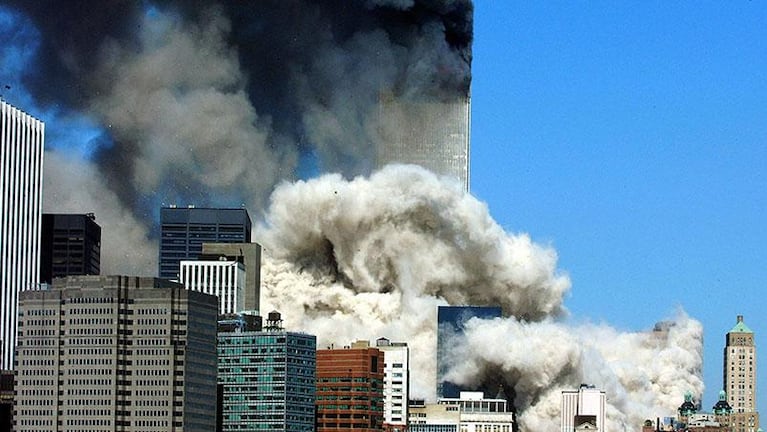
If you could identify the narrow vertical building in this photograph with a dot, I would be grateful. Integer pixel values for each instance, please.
(740, 377)
(70, 245)
(396, 384)
(350, 389)
(21, 185)
(184, 230)
(266, 375)
(116, 353)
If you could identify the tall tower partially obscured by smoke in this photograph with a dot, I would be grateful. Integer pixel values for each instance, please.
(451, 322)
(21, 186)
(432, 134)
(740, 377)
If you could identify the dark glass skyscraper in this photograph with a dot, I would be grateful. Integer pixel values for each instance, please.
(450, 322)
(184, 230)
(70, 245)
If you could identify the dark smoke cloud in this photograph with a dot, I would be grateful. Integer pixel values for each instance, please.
(214, 103)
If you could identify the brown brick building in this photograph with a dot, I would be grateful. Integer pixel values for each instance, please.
(350, 389)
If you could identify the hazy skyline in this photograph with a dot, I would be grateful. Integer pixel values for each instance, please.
(626, 140)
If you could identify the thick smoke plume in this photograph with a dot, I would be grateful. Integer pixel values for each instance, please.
(221, 103)
(375, 257)
(214, 103)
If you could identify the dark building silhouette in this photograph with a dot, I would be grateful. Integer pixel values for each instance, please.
(70, 245)
(6, 400)
(450, 322)
(184, 230)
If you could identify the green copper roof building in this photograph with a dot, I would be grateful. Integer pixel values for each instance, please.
(740, 377)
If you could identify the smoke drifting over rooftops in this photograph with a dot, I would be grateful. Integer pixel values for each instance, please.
(375, 257)
(223, 103)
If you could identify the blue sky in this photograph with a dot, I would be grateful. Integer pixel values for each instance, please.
(632, 137)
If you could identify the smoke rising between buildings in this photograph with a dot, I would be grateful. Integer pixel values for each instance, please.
(233, 102)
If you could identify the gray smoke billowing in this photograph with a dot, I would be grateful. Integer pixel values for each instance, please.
(215, 102)
(375, 256)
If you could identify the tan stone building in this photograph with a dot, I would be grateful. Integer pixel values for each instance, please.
(109, 353)
(740, 377)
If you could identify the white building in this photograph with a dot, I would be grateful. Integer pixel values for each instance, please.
(583, 409)
(21, 184)
(396, 383)
(224, 278)
(470, 412)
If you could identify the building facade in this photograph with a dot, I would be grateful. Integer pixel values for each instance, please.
(266, 374)
(450, 323)
(70, 245)
(433, 134)
(350, 389)
(396, 383)
(184, 230)
(583, 409)
(108, 353)
(740, 377)
(222, 277)
(250, 255)
(21, 184)
(469, 412)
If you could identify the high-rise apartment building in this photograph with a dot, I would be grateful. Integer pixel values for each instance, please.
(450, 323)
(396, 384)
(184, 230)
(220, 276)
(116, 353)
(350, 389)
(70, 245)
(21, 184)
(250, 255)
(740, 377)
(266, 375)
(433, 134)
(583, 409)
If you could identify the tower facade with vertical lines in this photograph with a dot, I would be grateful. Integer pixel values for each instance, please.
(21, 184)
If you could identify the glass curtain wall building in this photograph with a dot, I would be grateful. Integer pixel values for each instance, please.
(184, 230)
(266, 375)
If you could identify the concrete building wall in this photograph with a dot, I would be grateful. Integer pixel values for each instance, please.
(105, 353)
(251, 257)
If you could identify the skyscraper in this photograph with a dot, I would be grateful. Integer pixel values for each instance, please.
(184, 230)
(70, 246)
(396, 384)
(433, 134)
(109, 353)
(450, 323)
(21, 184)
(740, 377)
(266, 375)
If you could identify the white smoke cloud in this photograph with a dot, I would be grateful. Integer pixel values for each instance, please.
(373, 257)
(644, 374)
(76, 186)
